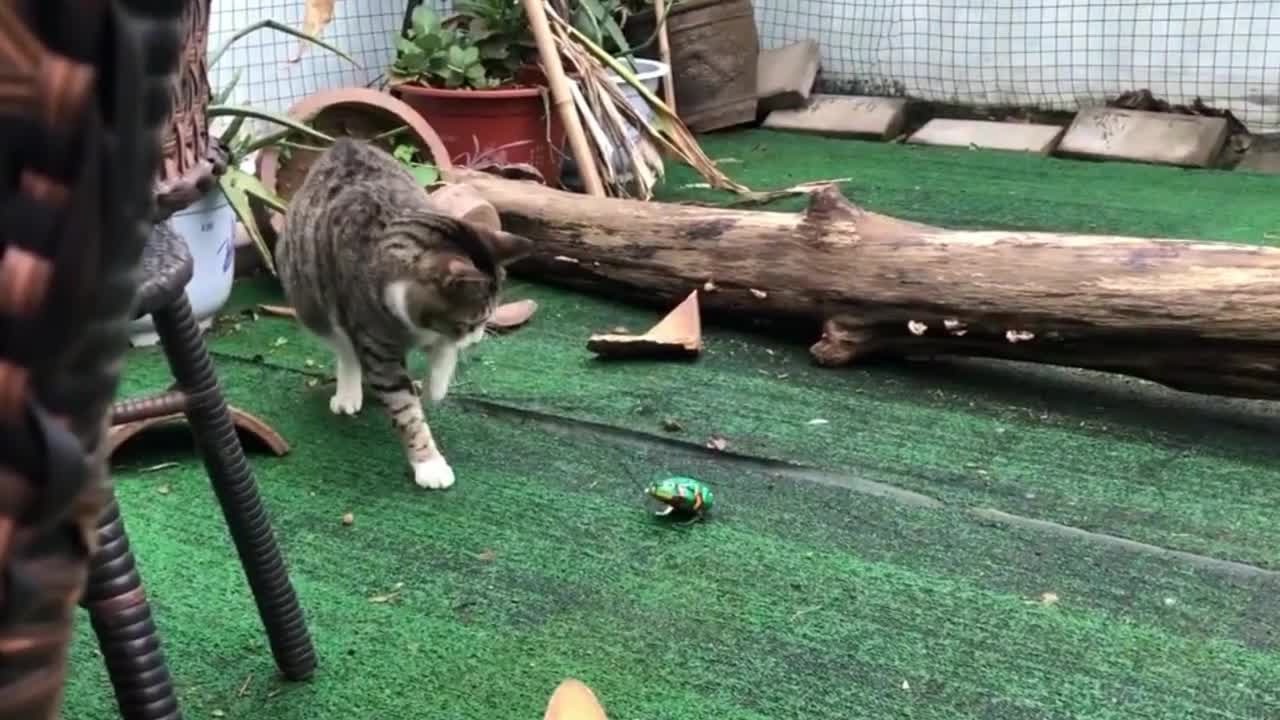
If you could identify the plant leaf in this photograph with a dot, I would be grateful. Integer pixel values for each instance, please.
(425, 21)
(225, 93)
(404, 152)
(280, 27)
(476, 75)
(232, 130)
(585, 21)
(237, 110)
(457, 57)
(405, 46)
(614, 31)
(239, 201)
(253, 186)
(424, 174)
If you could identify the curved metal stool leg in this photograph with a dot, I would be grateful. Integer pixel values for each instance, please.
(236, 489)
(121, 618)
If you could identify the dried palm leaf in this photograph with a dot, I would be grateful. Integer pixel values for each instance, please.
(666, 128)
(623, 143)
(318, 15)
(626, 168)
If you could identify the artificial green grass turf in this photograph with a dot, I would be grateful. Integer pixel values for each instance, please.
(961, 188)
(796, 596)
(1107, 455)
(798, 599)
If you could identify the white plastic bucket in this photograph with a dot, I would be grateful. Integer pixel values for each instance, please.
(650, 73)
(208, 228)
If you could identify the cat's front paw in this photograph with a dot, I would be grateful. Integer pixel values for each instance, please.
(346, 402)
(437, 389)
(433, 474)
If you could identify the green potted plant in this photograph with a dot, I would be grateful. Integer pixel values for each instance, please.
(473, 76)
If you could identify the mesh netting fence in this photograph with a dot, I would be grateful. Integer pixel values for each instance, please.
(1043, 54)
(272, 73)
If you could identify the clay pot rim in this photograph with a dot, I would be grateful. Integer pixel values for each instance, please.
(473, 94)
(312, 105)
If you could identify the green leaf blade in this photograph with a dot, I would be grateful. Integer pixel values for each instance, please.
(239, 200)
(283, 120)
(278, 27)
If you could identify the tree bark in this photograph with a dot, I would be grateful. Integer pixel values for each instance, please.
(1201, 317)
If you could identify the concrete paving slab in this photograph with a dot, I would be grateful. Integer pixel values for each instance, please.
(843, 116)
(988, 135)
(1141, 136)
(785, 76)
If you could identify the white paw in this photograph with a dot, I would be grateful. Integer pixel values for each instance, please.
(437, 389)
(434, 474)
(346, 402)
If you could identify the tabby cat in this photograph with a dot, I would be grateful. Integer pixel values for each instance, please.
(374, 272)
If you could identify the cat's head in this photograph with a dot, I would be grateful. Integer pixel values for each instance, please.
(457, 285)
(573, 700)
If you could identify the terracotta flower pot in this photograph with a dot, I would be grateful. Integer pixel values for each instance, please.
(507, 125)
(351, 112)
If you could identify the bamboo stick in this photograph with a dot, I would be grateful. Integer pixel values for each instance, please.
(562, 97)
(664, 52)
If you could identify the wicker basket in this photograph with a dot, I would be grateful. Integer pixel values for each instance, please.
(82, 99)
(189, 169)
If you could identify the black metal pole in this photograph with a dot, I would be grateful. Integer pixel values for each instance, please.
(407, 23)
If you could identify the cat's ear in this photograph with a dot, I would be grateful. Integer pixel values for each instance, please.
(462, 282)
(574, 701)
(507, 247)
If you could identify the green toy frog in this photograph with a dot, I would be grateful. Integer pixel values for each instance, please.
(682, 497)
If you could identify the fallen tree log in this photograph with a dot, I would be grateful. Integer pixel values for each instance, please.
(1200, 317)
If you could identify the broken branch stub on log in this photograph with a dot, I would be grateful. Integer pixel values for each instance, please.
(1202, 317)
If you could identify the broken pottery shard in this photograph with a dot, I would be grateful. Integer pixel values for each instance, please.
(278, 311)
(785, 76)
(678, 334)
(573, 700)
(512, 315)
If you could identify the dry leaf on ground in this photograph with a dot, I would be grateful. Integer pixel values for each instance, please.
(319, 14)
(389, 597)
